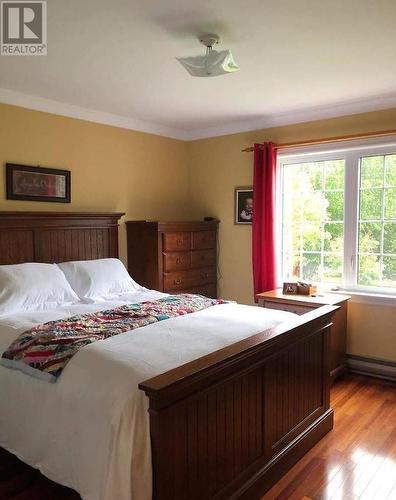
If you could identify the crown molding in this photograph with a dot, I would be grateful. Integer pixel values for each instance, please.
(374, 103)
(70, 110)
(346, 108)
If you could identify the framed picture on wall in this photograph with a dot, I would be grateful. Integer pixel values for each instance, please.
(243, 205)
(37, 184)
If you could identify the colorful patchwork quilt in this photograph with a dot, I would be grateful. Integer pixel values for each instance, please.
(45, 350)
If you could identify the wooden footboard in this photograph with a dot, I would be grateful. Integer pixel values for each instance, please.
(230, 424)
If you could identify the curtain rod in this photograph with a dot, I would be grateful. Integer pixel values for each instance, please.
(326, 140)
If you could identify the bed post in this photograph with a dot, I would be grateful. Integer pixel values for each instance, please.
(230, 424)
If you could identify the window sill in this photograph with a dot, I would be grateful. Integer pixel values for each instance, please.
(368, 298)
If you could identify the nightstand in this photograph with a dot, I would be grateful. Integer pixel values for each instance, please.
(301, 304)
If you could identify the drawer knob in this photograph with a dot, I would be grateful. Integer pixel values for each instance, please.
(178, 260)
(204, 275)
(177, 282)
(179, 241)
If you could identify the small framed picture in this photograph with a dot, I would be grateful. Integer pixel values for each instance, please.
(37, 184)
(243, 205)
(290, 288)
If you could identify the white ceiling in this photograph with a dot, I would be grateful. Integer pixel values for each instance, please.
(114, 61)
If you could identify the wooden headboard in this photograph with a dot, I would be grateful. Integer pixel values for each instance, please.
(57, 236)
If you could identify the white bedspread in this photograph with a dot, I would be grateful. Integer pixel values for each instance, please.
(90, 429)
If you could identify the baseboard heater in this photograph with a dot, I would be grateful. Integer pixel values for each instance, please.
(372, 367)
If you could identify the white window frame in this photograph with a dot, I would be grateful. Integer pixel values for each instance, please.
(351, 152)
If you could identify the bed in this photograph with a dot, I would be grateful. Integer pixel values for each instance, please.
(230, 410)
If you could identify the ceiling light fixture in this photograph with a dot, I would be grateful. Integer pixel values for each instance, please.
(213, 63)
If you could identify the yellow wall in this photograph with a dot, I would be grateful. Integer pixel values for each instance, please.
(113, 169)
(372, 330)
(148, 176)
(217, 166)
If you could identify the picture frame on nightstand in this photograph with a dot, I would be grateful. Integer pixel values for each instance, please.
(290, 288)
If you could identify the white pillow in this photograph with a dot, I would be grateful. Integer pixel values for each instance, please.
(98, 279)
(33, 286)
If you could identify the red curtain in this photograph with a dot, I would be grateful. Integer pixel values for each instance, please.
(263, 234)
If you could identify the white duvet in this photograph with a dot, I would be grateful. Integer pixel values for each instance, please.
(90, 429)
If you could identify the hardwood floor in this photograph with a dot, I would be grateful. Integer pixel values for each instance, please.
(357, 459)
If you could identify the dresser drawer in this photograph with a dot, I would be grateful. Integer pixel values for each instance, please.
(206, 290)
(203, 239)
(177, 241)
(293, 308)
(203, 258)
(176, 261)
(187, 279)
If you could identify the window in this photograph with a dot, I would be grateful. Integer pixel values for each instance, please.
(338, 218)
(313, 220)
(377, 221)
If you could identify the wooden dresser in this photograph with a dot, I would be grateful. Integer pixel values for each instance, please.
(300, 304)
(174, 257)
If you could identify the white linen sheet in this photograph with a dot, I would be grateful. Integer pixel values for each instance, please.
(90, 429)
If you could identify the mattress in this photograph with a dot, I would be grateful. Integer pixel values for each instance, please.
(90, 430)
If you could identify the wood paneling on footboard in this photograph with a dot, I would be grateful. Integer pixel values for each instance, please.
(230, 424)
(294, 389)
